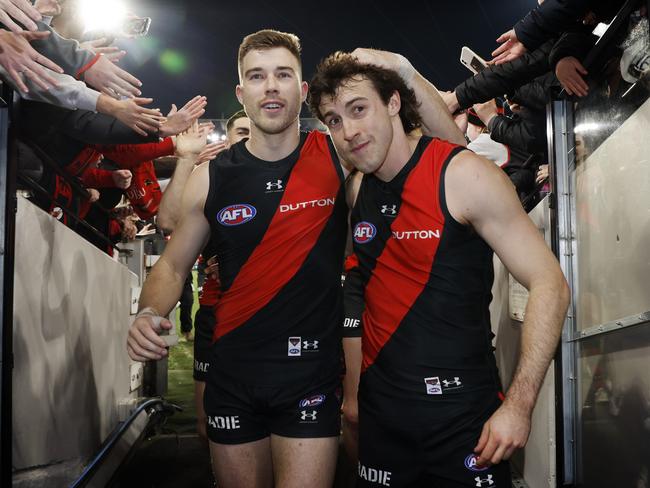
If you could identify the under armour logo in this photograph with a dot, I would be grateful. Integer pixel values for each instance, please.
(304, 415)
(389, 209)
(310, 344)
(274, 186)
(456, 381)
(480, 482)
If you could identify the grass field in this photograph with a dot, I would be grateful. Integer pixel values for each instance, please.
(180, 385)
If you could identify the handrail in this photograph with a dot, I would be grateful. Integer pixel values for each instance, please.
(75, 185)
(33, 185)
(45, 158)
(159, 404)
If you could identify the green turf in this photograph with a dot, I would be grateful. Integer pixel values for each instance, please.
(180, 385)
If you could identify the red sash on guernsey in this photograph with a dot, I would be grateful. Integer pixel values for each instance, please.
(288, 240)
(382, 317)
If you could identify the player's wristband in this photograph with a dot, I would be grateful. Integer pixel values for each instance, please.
(149, 311)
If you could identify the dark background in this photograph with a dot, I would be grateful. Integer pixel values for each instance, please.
(191, 48)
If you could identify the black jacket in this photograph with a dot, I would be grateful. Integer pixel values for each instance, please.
(525, 131)
(63, 133)
(494, 81)
(536, 94)
(576, 43)
(556, 16)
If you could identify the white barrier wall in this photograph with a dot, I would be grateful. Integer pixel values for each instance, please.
(71, 317)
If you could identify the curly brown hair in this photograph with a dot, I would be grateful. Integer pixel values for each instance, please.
(339, 68)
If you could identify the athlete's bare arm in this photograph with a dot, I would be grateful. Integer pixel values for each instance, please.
(436, 119)
(480, 195)
(352, 354)
(169, 213)
(164, 284)
(170, 204)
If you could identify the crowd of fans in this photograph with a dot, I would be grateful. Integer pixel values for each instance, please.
(86, 143)
(86, 137)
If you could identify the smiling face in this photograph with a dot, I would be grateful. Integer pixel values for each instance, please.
(360, 123)
(271, 88)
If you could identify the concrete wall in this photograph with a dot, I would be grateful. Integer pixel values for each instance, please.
(71, 317)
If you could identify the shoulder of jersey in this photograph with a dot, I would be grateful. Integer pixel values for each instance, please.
(227, 155)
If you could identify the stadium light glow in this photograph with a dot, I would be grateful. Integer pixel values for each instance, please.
(103, 15)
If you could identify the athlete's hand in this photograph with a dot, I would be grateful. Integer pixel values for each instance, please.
(387, 60)
(144, 342)
(504, 432)
(511, 48)
(190, 143)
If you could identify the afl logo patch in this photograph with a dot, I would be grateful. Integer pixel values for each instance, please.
(470, 463)
(237, 214)
(364, 232)
(312, 401)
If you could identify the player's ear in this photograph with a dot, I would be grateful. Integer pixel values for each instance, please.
(304, 88)
(394, 104)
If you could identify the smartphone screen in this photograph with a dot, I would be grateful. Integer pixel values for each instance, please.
(477, 64)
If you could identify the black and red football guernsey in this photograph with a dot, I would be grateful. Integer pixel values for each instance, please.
(428, 279)
(279, 231)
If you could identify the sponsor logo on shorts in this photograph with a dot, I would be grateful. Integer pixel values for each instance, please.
(433, 385)
(310, 346)
(308, 416)
(237, 214)
(229, 422)
(295, 346)
(351, 323)
(470, 463)
(484, 482)
(364, 232)
(374, 475)
(453, 384)
(312, 401)
(200, 366)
